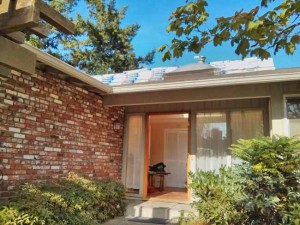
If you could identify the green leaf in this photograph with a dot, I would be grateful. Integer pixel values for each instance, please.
(166, 56)
(290, 48)
(217, 40)
(242, 48)
(295, 39)
(254, 25)
(162, 48)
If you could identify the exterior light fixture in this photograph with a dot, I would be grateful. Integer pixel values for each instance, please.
(116, 125)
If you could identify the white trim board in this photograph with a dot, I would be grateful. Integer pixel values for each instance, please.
(226, 80)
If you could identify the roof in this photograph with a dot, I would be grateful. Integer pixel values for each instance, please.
(200, 66)
(134, 76)
(246, 65)
(256, 77)
(193, 70)
(172, 83)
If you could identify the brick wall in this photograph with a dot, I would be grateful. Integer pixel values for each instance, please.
(49, 127)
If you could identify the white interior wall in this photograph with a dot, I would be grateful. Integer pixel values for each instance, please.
(157, 137)
(159, 127)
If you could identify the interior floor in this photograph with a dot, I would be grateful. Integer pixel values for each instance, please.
(170, 194)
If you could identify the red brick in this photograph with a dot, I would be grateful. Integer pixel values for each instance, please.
(52, 127)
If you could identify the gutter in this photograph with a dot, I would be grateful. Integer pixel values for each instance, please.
(224, 81)
(68, 69)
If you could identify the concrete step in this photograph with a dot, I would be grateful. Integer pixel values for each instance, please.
(154, 209)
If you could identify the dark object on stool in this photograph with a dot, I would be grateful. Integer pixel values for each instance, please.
(157, 170)
(159, 167)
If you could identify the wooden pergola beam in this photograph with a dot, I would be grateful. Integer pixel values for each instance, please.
(18, 37)
(41, 30)
(55, 19)
(21, 15)
(17, 57)
(18, 15)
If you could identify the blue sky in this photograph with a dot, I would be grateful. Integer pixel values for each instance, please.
(152, 16)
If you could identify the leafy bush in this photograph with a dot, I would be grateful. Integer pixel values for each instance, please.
(191, 219)
(272, 184)
(263, 190)
(216, 196)
(73, 200)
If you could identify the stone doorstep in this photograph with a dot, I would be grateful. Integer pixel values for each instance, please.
(155, 209)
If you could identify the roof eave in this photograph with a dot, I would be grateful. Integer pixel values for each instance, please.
(214, 82)
(67, 69)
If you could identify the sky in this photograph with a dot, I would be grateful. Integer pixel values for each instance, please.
(153, 15)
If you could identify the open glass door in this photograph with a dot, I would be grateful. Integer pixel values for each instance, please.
(168, 145)
(134, 155)
(216, 131)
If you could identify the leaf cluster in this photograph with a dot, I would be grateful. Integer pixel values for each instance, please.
(252, 32)
(73, 200)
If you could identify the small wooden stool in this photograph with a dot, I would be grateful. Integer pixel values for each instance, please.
(161, 176)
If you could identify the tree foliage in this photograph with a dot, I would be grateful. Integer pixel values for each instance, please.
(54, 44)
(252, 32)
(101, 44)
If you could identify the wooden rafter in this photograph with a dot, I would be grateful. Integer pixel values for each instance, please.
(17, 16)
(25, 15)
(17, 37)
(41, 30)
(55, 19)
(16, 57)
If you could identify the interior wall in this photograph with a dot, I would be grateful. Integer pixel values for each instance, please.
(157, 138)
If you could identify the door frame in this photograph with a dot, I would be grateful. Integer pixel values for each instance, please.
(147, 149)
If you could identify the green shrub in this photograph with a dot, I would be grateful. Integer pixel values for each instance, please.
(263, 190)
(191, 219)
(216, 197)
(73, 200)
(271, 170)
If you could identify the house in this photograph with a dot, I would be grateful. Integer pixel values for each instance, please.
(60, 119)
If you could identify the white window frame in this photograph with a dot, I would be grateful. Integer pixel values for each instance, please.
(286, 122)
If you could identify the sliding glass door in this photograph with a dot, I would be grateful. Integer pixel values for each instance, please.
(212, 141)
(216, 131)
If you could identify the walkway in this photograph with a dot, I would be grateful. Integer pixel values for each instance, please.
(124, 221)
(168, 211)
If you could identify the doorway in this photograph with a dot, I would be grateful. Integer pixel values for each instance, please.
(168, 136)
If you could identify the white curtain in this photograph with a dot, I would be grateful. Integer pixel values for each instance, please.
(213, 138)
(212, 141)
(134, 149)
(175, 157)
(246, 124)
